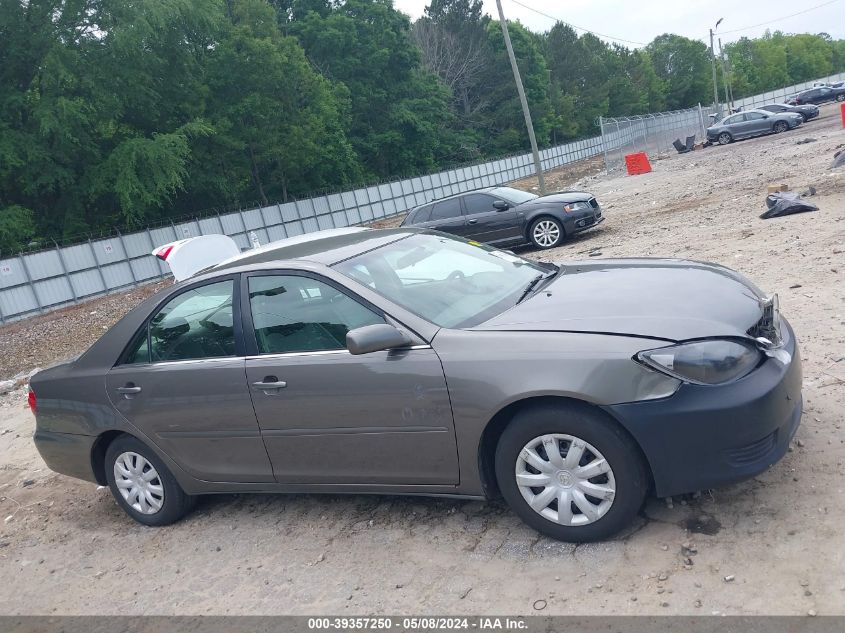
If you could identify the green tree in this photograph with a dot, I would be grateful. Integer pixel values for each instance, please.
(502, 123)
(399, 113)
(684, 66)
(279, 129)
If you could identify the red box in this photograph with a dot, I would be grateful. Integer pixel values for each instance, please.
(638, 163)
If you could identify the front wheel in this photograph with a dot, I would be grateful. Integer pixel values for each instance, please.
(142, 485)
(570, 473)
(546, 233)
(781, 126)
(725, 138)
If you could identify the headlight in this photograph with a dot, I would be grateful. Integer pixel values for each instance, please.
(576, 206)
(704, 362)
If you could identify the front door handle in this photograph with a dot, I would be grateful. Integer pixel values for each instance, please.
(472, 221)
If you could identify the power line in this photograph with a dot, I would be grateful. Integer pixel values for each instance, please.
(579, 28)
(785, 17)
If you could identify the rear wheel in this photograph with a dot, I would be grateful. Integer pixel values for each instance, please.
(142, 485)
(840, 97)
(570, 472)
(780, 126)
(546, 232)
(725, 138)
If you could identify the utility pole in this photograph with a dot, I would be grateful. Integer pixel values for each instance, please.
(713, 65)
(725, 75)
(519, 88)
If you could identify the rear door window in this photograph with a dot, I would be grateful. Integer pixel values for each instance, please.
(446, 210)
(197, 323)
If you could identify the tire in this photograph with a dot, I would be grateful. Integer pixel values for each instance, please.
(780, 126)
(167, 493)
(546, 232)
(725, 138)
(840, 97)
(600, 435)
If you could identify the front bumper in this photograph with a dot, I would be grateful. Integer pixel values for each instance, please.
(582, 220)
(707, 436)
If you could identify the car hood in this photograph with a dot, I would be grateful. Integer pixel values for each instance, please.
(560, 197)
(666, 299)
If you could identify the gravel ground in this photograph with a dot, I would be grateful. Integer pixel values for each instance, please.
(50, 338)
(770, 545)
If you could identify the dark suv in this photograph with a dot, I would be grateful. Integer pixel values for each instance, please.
(822, 94)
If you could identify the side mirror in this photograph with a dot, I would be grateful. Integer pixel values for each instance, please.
(375, 338)
(501, 205)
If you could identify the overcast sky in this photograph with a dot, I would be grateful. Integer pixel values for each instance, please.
(643, 20)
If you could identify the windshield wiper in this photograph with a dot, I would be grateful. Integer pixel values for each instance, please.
(533, 283)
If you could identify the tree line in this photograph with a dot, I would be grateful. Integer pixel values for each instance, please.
(117, 113)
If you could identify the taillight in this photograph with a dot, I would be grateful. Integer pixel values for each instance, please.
(164, 253)
(33, 401)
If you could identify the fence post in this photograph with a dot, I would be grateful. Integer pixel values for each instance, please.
(603, 143)
(97, 264)
(619, 140)
(126, 254)
(28, 278)
(66, 274)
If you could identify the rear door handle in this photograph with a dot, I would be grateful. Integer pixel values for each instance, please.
(128, 391)
(279, 384)
(270, 385)
(472, 221)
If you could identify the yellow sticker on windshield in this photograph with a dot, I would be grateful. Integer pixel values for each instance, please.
(474, 243)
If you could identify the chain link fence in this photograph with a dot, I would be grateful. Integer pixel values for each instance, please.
(652, 134)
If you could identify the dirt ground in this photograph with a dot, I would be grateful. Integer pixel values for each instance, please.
(772, 545)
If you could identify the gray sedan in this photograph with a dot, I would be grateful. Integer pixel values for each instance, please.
(752, 123)
(407, 361)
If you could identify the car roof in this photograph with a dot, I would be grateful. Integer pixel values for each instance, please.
(456, 195)
(323, 247)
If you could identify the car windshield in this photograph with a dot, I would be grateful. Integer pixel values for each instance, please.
(514, 196)
(445, 280)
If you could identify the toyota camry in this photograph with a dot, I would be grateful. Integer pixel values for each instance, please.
(407, 361)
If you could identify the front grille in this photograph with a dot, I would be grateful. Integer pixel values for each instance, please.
(594, 203)
(753, 452)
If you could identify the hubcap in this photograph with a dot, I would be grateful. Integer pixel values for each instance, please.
(724, 139)
(565, 479)
(138, 483)
(546, 233)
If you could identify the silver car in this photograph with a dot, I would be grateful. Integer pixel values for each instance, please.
(407, 361)
(752, 123)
